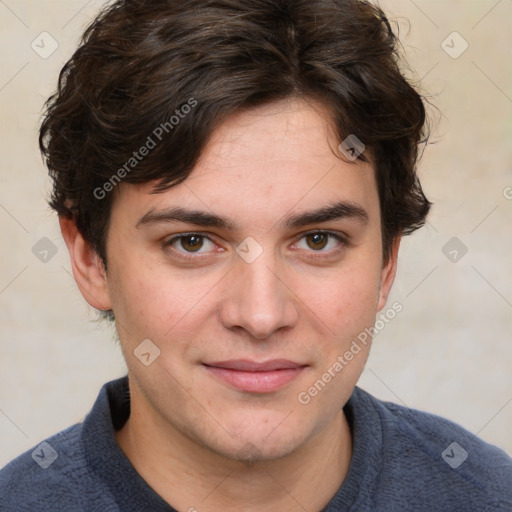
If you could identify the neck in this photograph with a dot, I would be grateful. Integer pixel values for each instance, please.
(191, 477)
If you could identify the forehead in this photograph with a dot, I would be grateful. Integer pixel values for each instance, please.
(265, 162)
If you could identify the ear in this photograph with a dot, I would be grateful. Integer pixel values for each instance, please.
(88, 269)
(388, 273)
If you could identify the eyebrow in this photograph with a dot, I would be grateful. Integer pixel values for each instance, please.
(335, 211)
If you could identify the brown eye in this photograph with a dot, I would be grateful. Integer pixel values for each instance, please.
(317, 241)
(322, 242)
(191, 247)
(191, 243)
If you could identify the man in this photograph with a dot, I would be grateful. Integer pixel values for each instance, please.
(232, 180)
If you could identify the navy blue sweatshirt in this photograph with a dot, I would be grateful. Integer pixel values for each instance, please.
(403, 460)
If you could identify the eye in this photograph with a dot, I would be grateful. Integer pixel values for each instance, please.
(191, 243)
(320, 241)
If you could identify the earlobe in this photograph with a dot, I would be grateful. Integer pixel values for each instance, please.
(388, 274)
(88, 269)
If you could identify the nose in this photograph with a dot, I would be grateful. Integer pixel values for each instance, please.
(258, 299)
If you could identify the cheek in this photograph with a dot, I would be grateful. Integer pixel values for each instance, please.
(151, 301)
(346, 301)
(347, 307)
(142, 301)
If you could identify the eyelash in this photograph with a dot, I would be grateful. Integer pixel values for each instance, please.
(342, 239)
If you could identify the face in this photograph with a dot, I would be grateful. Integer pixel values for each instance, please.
(251, 278)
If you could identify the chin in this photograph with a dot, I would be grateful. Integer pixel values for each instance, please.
(256, 451)
(250, 445)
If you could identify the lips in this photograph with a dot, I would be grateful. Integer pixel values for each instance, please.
(255, 377)
(251, 366)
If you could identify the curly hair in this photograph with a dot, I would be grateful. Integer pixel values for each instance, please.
(170, 71)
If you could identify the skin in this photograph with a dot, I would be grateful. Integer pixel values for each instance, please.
(195, 439)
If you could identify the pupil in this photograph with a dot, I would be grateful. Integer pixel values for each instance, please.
(192, 243)
(319, 241)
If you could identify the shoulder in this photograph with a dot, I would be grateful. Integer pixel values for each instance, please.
(43, 474)
(436, 459)
(62, 473)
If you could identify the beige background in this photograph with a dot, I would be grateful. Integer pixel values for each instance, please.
(449, 351)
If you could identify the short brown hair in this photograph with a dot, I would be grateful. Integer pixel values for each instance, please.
(142, 61)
